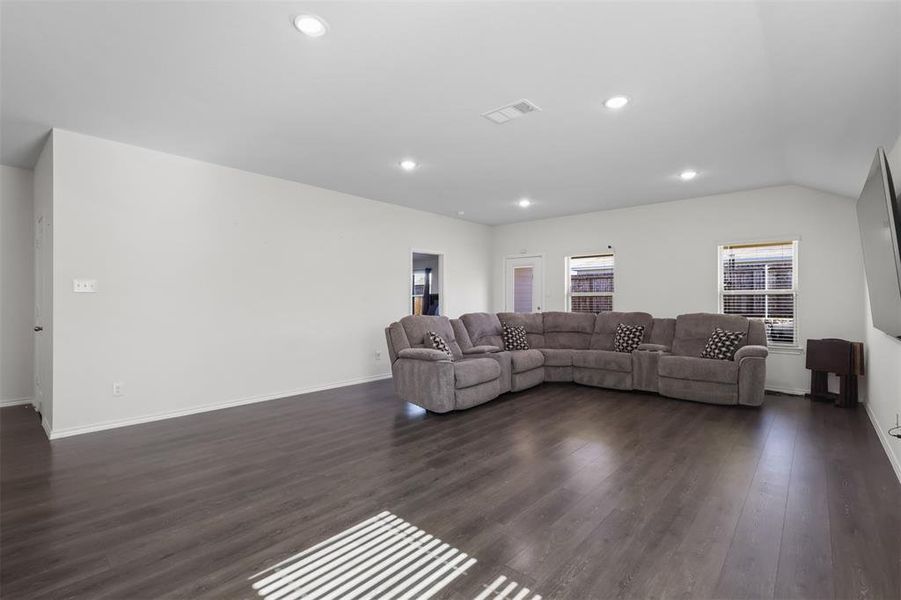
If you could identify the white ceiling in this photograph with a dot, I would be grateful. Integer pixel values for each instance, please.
(748, 93)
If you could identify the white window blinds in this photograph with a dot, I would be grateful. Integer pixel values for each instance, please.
(522, 289)
(590, 283)
(759, 281)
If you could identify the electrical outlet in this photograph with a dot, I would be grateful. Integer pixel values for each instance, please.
(118, 388)
(84, 286)
(378, 355)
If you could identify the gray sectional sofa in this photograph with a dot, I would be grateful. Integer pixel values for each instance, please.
(576, 347)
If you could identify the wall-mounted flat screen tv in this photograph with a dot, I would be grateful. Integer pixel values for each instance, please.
(879, 216)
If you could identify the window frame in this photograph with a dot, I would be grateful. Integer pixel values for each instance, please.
(794, 291)
(569, 294)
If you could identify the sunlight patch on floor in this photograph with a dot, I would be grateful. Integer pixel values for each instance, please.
(381, 558)
(500, 588)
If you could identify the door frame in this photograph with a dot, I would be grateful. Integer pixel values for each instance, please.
(541, 279)
(441, 268)
(41, 316)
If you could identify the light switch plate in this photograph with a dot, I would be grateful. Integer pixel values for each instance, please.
(84, 286)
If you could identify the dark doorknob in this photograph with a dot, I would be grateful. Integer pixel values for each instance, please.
(38, 328)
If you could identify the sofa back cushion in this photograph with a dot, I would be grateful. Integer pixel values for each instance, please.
(417, 327)
(533, 322)
(568, 330)
(484, 329)
(605, 327)
(756, 333)
(397, 340)
(693, 331)
(663, 332)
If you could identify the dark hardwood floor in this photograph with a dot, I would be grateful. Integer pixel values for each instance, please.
(572, 491)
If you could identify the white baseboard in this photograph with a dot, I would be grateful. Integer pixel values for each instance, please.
(787, 390)
(886, 445)
(15, 401)
(55, 434)
(46, 427)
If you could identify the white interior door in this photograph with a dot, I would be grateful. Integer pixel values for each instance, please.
(524, 284)
(42, 365)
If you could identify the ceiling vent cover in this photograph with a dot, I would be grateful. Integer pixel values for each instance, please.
(511, 111)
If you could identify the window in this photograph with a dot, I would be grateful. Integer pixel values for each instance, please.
(760, 281)
(589, 283)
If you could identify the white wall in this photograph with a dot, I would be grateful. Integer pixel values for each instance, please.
(882, 384)
(217, 285)
(16, 283)
(666, 258)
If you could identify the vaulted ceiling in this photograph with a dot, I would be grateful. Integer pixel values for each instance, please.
(749, 94)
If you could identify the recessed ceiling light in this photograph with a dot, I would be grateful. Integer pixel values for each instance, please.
(310, 25)
(616, 102)
(688, 175)
(524, 203)
(408, 164)
(460, 213)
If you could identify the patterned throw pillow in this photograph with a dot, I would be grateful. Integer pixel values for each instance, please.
(515, 337)
(628, 337)
(722, 344)
(438, 343)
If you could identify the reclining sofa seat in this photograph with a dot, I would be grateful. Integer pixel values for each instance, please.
(556, 336)
(482, 331)
(601, 365)
(683, 374)
(428, 378)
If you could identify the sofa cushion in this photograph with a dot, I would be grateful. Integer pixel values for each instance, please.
(533, 322)
(484, 329)
(417, 326)
(424, 354)
(526, 360)
(607, 322)
(397, 340)
(722, 344)
(693, 330)
(603, 359)
(628, 338)
(481, 350)
(515, 338)
(568, 330)
(473, 371)
(438, 343)
(662, 332)
(698, 369)
(557, 357)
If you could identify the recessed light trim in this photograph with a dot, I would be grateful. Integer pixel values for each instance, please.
(311, 25)
(524, 203)
(688, 174)
(616, 102)
(408, 164)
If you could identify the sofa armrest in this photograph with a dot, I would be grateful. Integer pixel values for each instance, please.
(423, 354)
(751, 351)
(652, 348)
(481, 350)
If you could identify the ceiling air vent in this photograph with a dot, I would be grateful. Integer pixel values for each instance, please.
(510, 112)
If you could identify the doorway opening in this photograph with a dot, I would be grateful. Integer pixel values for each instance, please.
(427, 283)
